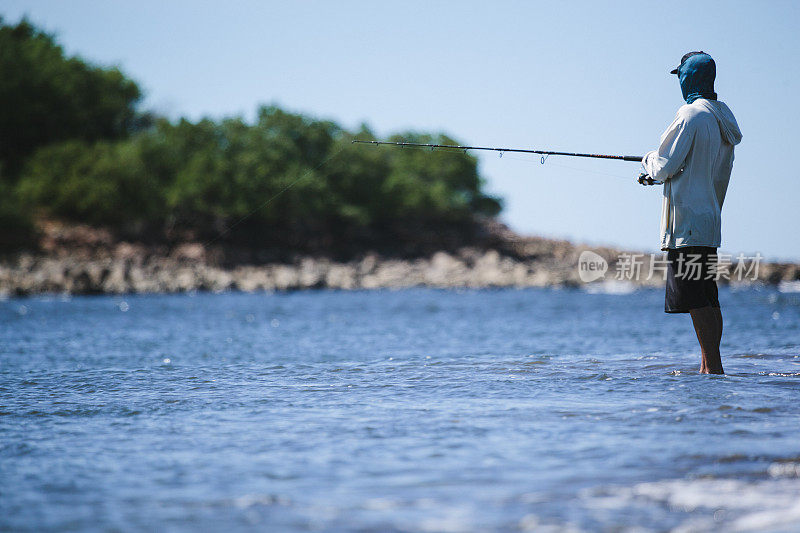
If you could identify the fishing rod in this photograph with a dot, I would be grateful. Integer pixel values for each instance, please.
(636, 158)
(643, 178)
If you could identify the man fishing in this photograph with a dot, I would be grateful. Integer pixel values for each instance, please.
(694, 160)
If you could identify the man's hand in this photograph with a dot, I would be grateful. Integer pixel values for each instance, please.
(645, 179)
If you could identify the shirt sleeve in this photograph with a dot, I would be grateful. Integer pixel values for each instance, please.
(669, 159)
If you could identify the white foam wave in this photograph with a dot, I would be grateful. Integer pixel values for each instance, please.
(789, 286)
(733, 504)
(610, 286)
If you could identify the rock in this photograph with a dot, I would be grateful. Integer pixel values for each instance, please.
(195, 252)
(116, 280)
(251, 279)
(311, 273)
(93, 263)
(285, 277)
(342, 277)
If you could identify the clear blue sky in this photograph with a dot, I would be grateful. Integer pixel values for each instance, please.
(574, 76)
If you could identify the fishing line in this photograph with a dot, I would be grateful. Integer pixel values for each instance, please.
(275, 196)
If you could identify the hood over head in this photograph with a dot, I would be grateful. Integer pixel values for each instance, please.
(696, 75)
(728, 126)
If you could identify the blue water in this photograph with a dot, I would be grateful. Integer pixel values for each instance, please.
(416, 410)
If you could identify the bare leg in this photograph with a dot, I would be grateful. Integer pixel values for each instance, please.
(718, 313)
(708, 326)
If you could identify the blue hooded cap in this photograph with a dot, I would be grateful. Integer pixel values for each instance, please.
(696, 75)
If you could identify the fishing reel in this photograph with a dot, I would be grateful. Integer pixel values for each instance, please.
(645, 179)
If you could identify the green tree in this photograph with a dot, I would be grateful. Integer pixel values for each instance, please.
(102, 183)
(16, 227)
(285, 181)
(75, 148)
(49, 97)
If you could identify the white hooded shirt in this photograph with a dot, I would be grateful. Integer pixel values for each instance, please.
(694, 160)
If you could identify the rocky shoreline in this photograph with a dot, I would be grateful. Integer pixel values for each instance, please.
(81, 260)
(468, 268)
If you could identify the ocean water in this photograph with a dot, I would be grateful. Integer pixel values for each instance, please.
(414, 410)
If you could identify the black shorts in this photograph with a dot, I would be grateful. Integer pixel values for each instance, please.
(691, 282)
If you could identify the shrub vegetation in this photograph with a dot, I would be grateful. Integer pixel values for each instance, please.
(81, 151)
